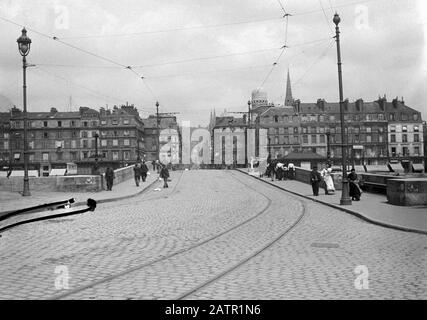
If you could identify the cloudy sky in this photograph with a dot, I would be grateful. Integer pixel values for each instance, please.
(196, 55)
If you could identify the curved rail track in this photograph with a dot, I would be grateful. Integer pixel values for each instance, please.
(185, 250)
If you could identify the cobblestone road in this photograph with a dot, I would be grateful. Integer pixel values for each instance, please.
(163, 245)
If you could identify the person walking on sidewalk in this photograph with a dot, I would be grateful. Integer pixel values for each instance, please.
(315, 179)
(355, 191)
(154, 165)
(328, 181)
(137, 173)
(164, 174)
(144, 171)
(109, 177)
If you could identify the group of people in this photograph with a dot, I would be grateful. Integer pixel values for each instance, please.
(325, 179)
(280, 171)
(141, 171)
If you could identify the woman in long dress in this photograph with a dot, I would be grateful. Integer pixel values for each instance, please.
(328, 180)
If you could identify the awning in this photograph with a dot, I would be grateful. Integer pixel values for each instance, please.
(20, 173)
(396, 167)
(418, 167)
(58, 172)
(376, 168)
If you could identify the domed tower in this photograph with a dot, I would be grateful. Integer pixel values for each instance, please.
(259, 98)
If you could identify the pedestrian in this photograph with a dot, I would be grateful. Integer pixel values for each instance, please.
(272, 167)
(144, 171)
(328, 181)
(355, 191)
(109, 177)
(137, 174)
(315, 179)
(164, 174)
(291, 168)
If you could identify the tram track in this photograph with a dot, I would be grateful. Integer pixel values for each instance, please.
(165, 258)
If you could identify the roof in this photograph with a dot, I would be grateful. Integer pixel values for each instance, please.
(229, 122)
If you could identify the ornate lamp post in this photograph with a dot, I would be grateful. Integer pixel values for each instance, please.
(24, 46)
(328, 145)
(345, 198)
(158, 132)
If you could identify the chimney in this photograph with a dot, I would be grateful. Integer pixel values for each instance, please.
(244, 118)
(395, 103)
(359, 105)
(53, 111)
(321, 104)
(297, 106)
(346, 102)
(382, 102)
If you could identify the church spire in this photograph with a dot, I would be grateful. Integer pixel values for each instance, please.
(289, 100)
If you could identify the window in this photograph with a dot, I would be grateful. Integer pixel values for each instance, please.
(59, 124)
(73, 155)
(304, 139)
(368, 138)
(6, 145)
(126, 121)
(84, 134)
(285, 130)
(416, 151)
(304, 130)
(276, 119)
(416, 117)
(404, 138)
(45, 156)
(296, 140)
(115, 155)
(368, 129)
(126, 142)
(31, 158)
(405, 151)
(405, 129)
(294, 118)
(393, 152)
(405, 117)
(94, 123)
(276, 140)
(59, 156)
(116, 133)
(85, 155)
(393, 138)
(6, 135)
(74, 135)
(115, 122)
(392, 117)
(85, 124)
(59, 135)
(416, 129)
(17, 156)
(285, 119)
(45, 124)
(332, 118)
(416, 138)
(313, 130)
(103, 122)
(45, 135)
(72, 123)
(286, 140)
(73, 144)
(126, 133)
(322, 138)
(103, 143)
(103, 133)
(313, 118)
(105, 154)
(313, 139)
(393, 129)
(381, 117)
(115, 143)
(85, 144)
(126, 155)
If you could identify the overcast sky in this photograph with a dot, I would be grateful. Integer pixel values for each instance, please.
(384, 51)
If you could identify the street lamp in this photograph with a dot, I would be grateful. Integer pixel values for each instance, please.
(328, 145)
(158, 132)
(24, 46)
(345, 198)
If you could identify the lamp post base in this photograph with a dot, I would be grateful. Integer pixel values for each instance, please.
(345, 198)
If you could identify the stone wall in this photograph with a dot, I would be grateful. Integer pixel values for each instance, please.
(65, 183)
(407, 192)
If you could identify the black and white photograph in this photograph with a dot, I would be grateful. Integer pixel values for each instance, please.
(225, 152)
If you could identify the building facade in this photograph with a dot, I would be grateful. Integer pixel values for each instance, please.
(57, 138)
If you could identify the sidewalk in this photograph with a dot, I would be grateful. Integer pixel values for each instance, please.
(372, 207)
(11, 201)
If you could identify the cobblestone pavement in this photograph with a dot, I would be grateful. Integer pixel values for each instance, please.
(206, 223)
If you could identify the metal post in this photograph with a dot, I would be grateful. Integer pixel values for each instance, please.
(26, 191)
(96, 154)
(158, 132)
(345, 198)
(328, 146)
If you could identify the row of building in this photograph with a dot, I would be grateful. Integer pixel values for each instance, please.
(378, 132)
(115, 137)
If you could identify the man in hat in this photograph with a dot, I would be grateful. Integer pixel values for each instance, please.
(164, 174)
(315, 179)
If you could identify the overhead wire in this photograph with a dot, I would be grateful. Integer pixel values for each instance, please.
(326, 16)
